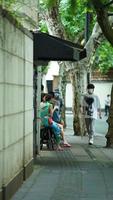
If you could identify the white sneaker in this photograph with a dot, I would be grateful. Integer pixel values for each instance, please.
(91, 141)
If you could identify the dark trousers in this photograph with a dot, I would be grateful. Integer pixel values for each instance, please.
(106, 110)
(90, 125)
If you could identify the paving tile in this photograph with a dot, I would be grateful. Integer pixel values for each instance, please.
(78, 173)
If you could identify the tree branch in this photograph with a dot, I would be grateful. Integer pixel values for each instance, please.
(103, 20)
(110, 14)
(108, 4)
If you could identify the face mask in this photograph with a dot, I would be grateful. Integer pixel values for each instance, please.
(90, 91)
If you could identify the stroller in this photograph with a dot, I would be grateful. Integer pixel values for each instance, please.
(47, 137)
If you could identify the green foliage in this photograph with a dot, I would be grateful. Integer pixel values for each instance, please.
(72, 14)
(73, 4)
(72, 17)
(48, 3)
(44, 69)
(7, 3)
(42, 26)
(104, 57)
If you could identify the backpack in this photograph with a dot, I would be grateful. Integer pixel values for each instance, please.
(89, 109)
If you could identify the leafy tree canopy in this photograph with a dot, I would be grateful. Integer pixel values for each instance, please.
(104, 57)
(72, 17)
(71, 13)
(104, 53)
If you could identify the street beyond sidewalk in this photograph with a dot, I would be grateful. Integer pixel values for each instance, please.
(101, 125)
(81, 172)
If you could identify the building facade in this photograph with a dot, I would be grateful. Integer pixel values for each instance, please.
(16, 104)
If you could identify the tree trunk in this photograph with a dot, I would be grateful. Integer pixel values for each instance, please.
(53, 22)
(105, 22)
(76, 105)
(109, 135)
(62, 87)
(82, 83)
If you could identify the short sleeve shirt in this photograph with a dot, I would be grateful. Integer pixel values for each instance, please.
(91, 104)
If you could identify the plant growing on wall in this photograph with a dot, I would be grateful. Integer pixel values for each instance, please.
(22, 11)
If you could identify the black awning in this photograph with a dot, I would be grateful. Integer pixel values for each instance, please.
(47, 47)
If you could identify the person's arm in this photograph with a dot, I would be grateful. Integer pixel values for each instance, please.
(51, 110)
(55, 108)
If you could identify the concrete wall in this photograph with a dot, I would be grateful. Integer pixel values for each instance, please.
(16, 103)
(28, 13)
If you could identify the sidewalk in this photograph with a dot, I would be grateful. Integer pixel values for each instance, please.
(82, 172)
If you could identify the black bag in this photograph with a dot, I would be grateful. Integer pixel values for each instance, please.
(89, 109)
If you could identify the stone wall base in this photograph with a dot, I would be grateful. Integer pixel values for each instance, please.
(1, 194)
(9, 190)
(28, 169)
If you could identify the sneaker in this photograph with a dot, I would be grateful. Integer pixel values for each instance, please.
(91, 141)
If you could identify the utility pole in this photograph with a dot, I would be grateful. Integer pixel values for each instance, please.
(87, 33)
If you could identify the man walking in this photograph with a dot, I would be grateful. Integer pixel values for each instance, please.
(91, 109)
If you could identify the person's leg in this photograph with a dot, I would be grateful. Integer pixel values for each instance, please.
(91, 130)
(87, 125)
(57, 133)
(108, 109)
(105, 110)
(90, 125)
(66, 144)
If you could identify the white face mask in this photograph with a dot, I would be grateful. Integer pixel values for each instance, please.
(90, 91)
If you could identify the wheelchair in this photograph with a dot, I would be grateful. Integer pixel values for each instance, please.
(47, 137)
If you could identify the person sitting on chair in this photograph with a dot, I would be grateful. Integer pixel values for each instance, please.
(47, 120)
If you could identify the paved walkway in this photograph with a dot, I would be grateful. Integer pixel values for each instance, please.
(82, 172)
